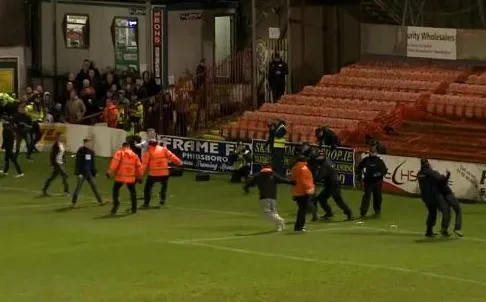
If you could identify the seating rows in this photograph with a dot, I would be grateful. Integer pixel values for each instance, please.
(304, 111)
(477, 79)
(292, 119)
(466, 89)
(385, 84)
(328, 102)
(457, 106)
(402, 74)
(339, 92)
(245, 132)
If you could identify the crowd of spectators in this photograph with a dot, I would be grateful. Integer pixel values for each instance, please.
(110, 96)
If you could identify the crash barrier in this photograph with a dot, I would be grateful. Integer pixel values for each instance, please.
(105, 140)
(467, 180)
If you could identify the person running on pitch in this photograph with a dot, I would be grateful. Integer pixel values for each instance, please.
(8, 143)
(85, 169)
(151, 135)
(332, 187)
(266, 181)
(57, 158)
(126, 169)
(156, 161)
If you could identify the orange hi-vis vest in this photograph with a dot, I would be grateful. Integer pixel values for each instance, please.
(125, 166)
(157, 159)
(303, 178)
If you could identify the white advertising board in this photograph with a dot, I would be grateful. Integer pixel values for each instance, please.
(468, 180)
(434, 43)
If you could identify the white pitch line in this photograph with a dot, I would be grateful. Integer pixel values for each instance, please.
(332, 262)
(419, 233)
(195, 240)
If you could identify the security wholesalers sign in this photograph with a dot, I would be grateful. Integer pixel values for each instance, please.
(433, 43)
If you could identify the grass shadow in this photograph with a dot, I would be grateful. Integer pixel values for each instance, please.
(262, 233)
(436, 240)
(111, 216)
(65, 209)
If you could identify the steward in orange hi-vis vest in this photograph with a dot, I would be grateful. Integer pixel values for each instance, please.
(125, 168)
(156, 161)
(302, 191)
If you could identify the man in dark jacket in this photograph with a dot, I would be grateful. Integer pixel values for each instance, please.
(430, 182)
(23, 133)
(332, 187)
(277, 72)
(327, 137)
(85, 169)
(8, 142)
(57, 158)
(267, 181)
(374, 170)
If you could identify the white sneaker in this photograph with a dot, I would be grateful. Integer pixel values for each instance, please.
(19, 175)
(281, 226)
(3, 173)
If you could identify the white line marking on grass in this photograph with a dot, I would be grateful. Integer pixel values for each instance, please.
(332, 262)
(418, 233)
(195, 240)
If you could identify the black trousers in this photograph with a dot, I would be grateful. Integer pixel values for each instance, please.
(116, 196)
(242, 172)
(303, 205)
(23, 136)
(278, 90)
(434, 206)
(278, 161)
(456, 207)
(57, 170)
(36, 135)
(181, 124)
(10, 157)
(334, 191)
(369, 189)
(90, 179)
(149, 184)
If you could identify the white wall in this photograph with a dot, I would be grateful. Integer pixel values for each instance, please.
(101, 44)
(23, 55)
(185, 43)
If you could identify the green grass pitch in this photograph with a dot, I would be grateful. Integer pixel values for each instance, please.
(210, 244)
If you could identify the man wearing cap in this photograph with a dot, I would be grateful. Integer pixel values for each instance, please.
(374, 170)
(266, 181)
(85, 169)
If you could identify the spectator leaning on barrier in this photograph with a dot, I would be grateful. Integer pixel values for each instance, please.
(75, 109)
